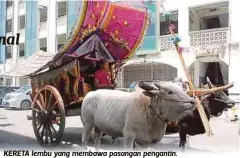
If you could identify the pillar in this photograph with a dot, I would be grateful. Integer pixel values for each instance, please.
(51, 26)
(158, 24)
(14, 81)
(31, 28)
(72, 14)
(3, 18)
(15, 31)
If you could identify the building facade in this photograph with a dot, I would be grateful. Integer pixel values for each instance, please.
(210, 36)
(43, 25)
(208, 29)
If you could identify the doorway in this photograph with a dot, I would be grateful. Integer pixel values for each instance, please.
(215, 69)
(214, 73)
(212, 23)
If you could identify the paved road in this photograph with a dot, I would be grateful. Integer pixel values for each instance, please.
(16, 132)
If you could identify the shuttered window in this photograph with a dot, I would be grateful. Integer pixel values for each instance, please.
(8, 52)
(62, 8)
(9, 3)
(43, 15)
(22, 22)
(9, 26)
(21, 49)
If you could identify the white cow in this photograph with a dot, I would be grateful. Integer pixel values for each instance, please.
(140, 116)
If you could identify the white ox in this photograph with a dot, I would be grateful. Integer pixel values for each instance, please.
(139, 117)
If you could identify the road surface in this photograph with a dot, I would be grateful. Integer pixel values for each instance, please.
(16, 132)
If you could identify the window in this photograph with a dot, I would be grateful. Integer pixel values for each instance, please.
(8, 81)
(164, 24)
(21, 50)
(61, 40)
(44, 49)
(62, 9)
(9, 25)
(21, 1)
(1, 81)
(8, 52)
(22, 22)
(23, 82)
(43, 15)
(9, 3)
(43, 44)
(59, 46)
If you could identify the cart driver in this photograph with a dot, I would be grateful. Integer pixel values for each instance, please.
(102, 79)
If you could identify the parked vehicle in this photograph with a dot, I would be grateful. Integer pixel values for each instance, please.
(4, 90)
(20, 98)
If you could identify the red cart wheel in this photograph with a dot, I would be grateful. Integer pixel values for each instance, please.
(48, 116)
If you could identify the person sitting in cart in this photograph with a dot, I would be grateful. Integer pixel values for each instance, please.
(102, 79)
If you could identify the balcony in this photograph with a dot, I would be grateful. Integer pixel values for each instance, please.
(211, 37)
(205, 38)
(166, 43)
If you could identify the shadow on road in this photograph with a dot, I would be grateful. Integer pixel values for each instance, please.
(72, 136)
(10, 140)
(5, 125)
(14, 109)
(72, 139)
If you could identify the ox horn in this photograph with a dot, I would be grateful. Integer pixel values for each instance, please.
(210, 83)
(157, 85)
(145, 86)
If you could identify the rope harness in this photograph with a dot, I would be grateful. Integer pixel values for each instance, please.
(160, 117)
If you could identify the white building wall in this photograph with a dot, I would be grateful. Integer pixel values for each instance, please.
(176, 4)
(51, 26)
(235, 38)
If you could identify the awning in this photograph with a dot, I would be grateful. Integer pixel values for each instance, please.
(31, 64)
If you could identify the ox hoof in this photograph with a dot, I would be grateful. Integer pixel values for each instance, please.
(181, 149)
(84, 148)
(151, 150)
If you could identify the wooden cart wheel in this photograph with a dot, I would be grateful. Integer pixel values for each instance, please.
(48, 116)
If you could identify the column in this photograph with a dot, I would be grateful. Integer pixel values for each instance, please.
(15, 31)
(72, 7)
(150, 43)
(51, 26)
(14, 81)
(183, 25)
(3, 18)
(31, 28)
(158, 24)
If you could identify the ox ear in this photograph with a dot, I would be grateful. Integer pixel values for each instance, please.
(151, 93)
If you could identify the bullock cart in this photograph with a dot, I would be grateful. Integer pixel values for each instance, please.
(105, 31)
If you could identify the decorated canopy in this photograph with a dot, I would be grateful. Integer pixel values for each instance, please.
(105, 30)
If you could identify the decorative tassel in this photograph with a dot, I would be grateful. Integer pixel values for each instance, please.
(180, 50)
(176, 40)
